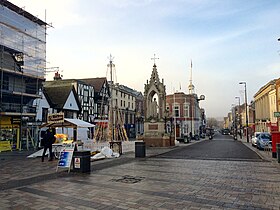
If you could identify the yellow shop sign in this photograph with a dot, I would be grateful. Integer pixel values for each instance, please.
(5, 146)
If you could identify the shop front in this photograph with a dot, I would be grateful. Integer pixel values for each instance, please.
(9, 133)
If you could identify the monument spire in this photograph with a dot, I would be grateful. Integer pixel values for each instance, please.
(154, 77)
(191, 86)
(154, 58)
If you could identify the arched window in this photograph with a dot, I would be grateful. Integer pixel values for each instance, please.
(177, 110)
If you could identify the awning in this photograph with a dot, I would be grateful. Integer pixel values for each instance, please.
(69, 123)
(80, 123)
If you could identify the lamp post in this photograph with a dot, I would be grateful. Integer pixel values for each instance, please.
(138, 120)
(233, 122)
(239, 116)
(245, 86)
(201, 98)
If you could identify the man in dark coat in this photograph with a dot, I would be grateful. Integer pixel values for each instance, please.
(47, 142)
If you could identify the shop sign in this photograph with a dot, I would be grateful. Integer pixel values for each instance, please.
(15, 120)
(56, 118)
(5, 146)
(276, 114)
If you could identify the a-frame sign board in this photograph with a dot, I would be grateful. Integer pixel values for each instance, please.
(65, 158)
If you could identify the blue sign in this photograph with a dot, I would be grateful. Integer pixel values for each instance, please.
(65, 158)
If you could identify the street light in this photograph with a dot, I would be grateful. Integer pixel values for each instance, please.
(247, 134)
(239, 115)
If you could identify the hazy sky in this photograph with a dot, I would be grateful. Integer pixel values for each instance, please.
(228, 41)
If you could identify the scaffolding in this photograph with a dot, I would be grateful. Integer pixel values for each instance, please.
(113, 130)
(22, 66)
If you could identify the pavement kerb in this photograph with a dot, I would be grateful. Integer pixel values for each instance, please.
(261, 154)
(130, 156)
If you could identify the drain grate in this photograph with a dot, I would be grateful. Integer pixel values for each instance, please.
(129, 179)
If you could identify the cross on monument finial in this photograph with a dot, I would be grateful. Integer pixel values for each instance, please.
(154, 58)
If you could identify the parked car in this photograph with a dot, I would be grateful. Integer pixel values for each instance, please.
(263, 140)
(254, 139)
(226, 131)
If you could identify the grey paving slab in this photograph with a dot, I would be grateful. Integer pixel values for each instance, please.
(146, 183)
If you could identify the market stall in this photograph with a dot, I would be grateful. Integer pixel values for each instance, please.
(67, 131)
(70, 130)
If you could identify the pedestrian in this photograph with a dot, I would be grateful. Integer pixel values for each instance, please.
(47, 141)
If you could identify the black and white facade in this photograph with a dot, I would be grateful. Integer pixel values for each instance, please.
(85, 94)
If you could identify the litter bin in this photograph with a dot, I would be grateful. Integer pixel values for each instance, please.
(186, 139)
(278, 151)
(81, 161)
(140, 149)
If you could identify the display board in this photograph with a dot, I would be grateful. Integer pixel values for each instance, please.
(5, 146)
(65, 158)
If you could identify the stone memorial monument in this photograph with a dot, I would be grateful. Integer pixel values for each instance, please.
(154, 124)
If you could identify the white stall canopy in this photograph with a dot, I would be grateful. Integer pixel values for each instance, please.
(72, 123)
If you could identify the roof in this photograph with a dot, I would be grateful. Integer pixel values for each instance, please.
(62, 82)
(69, 123)
(271, 82)
(79, 123)
(22, 12)
(97, 82)
(57, 96)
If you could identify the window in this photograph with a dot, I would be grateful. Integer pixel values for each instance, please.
(116, 92)
(186, 110)
(121, 103)
(68, 114)
(177, 112)
(86, 96)
(128, 105)
(85, 116)
(44, 114)
(124, 103)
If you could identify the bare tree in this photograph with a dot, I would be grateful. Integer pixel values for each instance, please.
(212, 122)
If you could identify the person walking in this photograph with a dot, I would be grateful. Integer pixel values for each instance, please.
(47, 142)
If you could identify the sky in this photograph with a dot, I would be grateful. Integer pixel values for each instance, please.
(227, 41)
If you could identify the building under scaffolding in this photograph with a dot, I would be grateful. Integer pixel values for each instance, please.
(22, 72)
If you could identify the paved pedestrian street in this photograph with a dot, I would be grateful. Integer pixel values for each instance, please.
(148, 183)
